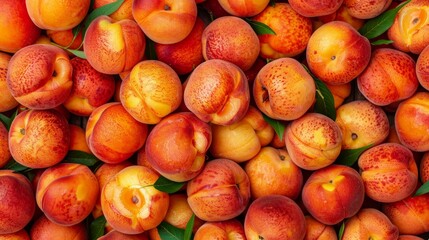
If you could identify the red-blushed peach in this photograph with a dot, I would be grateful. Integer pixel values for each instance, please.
(231, 229)
(409, 237)
(342, 14)
(422, 68)
(389, 172)
(390, 77)
(39, 76)
(20, 235)
(246, 8)
(366, 9)
(274, 217)
(220, 192)
(112, 47)
(90, 89)
(151, 91)
(77, 139)
(337, 53)
(424, 168)
(370, 223)
(231, 39)
(176, 147)
(125, 11)
(314, 8)
(18, 202)
(165, 21)
(5, 155)
(313, 141)
(7, 101)
(112, 134)
(185, 55)
(318, 231)
(292, 31)
(116, 235)
(272, 171)
(412, 122)
(410, 215)
(340, 92)
(241, 141)
(362, 123)
(18, 30)
(43, 228)
(340, 193)
(410, 27)
(283, 89)
(66, 38)
(39, 138)
(217, 91)
(130, 202)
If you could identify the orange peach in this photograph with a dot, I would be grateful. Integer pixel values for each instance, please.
(231, 229)
(314, 8)
(246, 8)
(90, 90)
(20, 235)
(220, 192)
(179, 212)
(66, 38)
(116, 235)
(217, 91)
(274, 217)
(39, 138)
(7, 101)
(283, 89)
(422, 68)
(5, 155)
(318, 231)
(39, 76)
(366, 9)
(112, 47)
(292, 31)
(424, 168)
(130, 202)
(77, 139)
(165, 21)
(125, 11)
(340, 92)
(151, 91)
(342, 14)
(43, 228)
(232, 39)
(112, 134)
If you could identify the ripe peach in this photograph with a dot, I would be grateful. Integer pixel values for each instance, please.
(39, 138)
(39, 76)
(112, 134)
(5, 155)
(274, 217)
(20, 235)
(77, 139)
(113, 47)
(130, 202)
(362, 123)
(165, 21)
(313, 8)
(366, 9)
(220, 192)
(7, 101)
(66, 38)
(283, 89)
(292, 31)
(318, 231)
(246, 8)
(340, 193)
(231, 229)
(232, 39)
(43, 228)
(340, 92)
(422, 68)
(116, 235)
(179, 212)
(123, 12)
(151, 91)
(424, 168)
(217, 91)
(342, 14)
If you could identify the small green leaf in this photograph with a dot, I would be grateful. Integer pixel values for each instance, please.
(278, 126)
(341, 231)
(423, 189)
(165, 185)
(150, 52)
(103, 10)
(77, 53)
(348, 157)
(189, 228)
(167, 231)
(381, 42)
(96, 228)
(16, 167)
(76, 156)
(272, 3)
(259, 27)
(376, 26)
(6, 121)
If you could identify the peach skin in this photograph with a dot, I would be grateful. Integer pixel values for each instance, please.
(424, 168)
(246, 8)
(314, 8)
(366, 9)
(422, 68)
(5, 155)
(20, 235)
(318, 231)
(125, 11)
(43, 228)
(231, 229)
(7, 101)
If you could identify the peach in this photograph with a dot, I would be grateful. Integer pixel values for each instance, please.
(340, 193)
(292, 31)
(112, 47)
(342, 14)
(90, 90)
(410, 27)
(231, 229)
(422, 68)
(217, 91)
(409, 237)
(7, 101)
(125, 11)
(165, 21)
(318, 231)
(39, 76)
(114, 235)
(5, 155)
(130, 202)
(424, 168)
(112, 134)
(220, 192)
(313, 8)
(313, 141)
(151, 91)
(274, 217)
(246, 8)
(39, 138)
(179, 212)
(241, 141)
(77, 139)
(18, 202)
(20, 235)
(283, 89)
(66, 38)
(340, 92)
(43, 228)
(362, 123)
(390, 77)
(366, 9)
(231, 39)
(18, 30)
(412, 122)
(214, 7)
(370, 223)
(272, 171)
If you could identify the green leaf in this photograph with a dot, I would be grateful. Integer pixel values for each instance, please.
(16, 167)
(376, 26)
(278, 126)
(272, 3)
(6, 121)
(77, 53)
(423, 189)
(103, 10)
(167, 231)
(259, 28)
(96, 228)
(76, 156)
(348, 157)
(165, 185)
(150, 52)
(189, 228)
(381, 42)
(341, 231)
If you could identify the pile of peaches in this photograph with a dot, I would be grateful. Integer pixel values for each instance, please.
(214, 119)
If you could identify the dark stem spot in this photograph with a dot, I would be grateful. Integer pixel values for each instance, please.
(354, 136)
(135, 199)
(415, 20)
(282, 157)
(260, 238)
(265, 96)
(167, 7)
(333, 58)
(22, 131)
